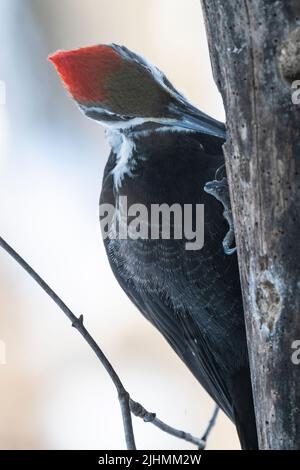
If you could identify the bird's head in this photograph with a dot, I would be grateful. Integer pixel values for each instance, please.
(119, 88)
(112, 84)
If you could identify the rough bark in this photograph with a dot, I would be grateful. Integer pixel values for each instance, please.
(255, 53)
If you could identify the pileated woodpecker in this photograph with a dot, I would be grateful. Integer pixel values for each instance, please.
(166, 151)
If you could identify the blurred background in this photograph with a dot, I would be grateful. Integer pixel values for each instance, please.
(53, 392)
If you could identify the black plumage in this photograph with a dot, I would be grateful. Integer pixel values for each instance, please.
(192, 297)
(165, 151)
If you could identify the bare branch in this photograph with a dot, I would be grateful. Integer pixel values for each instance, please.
(211, 424)
(77, 322)
(127, 405)
(138, 410)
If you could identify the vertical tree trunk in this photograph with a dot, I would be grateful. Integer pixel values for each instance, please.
(255, 53)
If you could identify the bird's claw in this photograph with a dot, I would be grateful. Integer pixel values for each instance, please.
(220, 190)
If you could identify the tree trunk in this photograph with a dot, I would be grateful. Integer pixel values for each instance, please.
(255, 53)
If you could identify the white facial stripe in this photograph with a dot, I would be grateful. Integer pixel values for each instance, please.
(184, 124)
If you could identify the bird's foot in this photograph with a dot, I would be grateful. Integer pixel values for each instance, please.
(220, 190)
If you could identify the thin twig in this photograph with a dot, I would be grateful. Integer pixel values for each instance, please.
(138, 410)
(127, 405)
(211, 424)
(77, 322)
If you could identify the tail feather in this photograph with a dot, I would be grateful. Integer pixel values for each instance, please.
(243, 410)
(246, 429)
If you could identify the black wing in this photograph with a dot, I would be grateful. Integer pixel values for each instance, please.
(184, 336)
